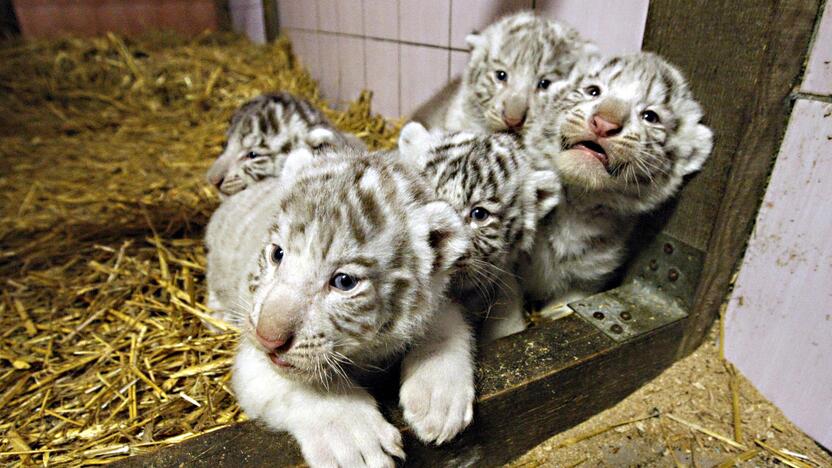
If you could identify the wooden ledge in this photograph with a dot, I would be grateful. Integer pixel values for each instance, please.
(531, 386)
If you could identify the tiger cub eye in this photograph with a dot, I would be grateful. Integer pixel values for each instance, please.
(480, 214)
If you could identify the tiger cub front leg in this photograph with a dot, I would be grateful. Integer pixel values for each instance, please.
(340, 426)
(437, 392)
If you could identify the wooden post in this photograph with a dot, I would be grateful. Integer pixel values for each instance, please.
(742, 60)
(271, 20)
(9, 26)
(223, 15)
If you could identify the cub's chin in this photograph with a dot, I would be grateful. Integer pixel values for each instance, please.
(310, 374)
(583, 168)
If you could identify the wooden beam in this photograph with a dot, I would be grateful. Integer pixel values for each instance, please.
(531, 386)
(9, 27)
(223, 15)
(271, 20)
(742, 60)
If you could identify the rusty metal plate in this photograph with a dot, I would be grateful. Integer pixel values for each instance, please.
(658, 289)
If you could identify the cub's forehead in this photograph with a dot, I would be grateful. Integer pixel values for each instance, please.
(341, 189)
(466, 166)
(641, 77)
(527, 40)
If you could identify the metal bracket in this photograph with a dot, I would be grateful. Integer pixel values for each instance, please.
(658, 289)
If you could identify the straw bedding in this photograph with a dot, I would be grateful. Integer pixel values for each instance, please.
(103, 147)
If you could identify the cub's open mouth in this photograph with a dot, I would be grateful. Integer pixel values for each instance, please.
(279, 361)
(594, 149)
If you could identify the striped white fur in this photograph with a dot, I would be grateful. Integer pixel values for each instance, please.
(490, 182)
(276, 254)
(514, 62)
(655, 139)
(263, 131)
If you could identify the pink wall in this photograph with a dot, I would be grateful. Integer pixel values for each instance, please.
(779, 319)
(50, 18)
(405, 50)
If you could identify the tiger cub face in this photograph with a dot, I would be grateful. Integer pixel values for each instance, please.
(515, 62)
(353, 267)
(627, 132)
(262, 133)
(489, 181)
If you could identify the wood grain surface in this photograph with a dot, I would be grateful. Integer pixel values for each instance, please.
(742, 60)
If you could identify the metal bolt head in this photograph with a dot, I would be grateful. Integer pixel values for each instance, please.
(598, 315)
(625, 315)
(673, 274)
(654, 265)
(617, 329)
(668, 248)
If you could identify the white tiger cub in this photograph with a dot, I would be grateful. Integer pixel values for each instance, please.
(514, 62)
(263, 131)
(490, 182)
(337, 267)
(622, 138)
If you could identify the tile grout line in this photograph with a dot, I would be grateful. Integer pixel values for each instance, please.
(384, 39)
(450, 41)
(806, 96)
(364, 47)
(399, 52)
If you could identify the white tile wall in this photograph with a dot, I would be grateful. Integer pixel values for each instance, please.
(294, 14)
(425, 21)
(327, 15)
(247, 17)
(423, 72)
(410, 48)
(616, 26)
(350, 16)
(383, 75)
(329, 76)
(381, 19)
(351, 68)
(307, 49)
(459, 60)
(468, 16)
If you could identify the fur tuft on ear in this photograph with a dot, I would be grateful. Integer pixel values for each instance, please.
(546, 188)
(321, 136)
(414, 144)
(475, 40)
(446, 235)
(295, 162)
(701, 143)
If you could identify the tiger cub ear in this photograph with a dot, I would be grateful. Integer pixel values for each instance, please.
(475, 40)
(320, 137)
(415, 142)
(699, 140)
(295, 162)
(446, 235)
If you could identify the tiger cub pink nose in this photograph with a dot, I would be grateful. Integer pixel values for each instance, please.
(603, 127)
(278, 344)
(514, 112)
(514, 122)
